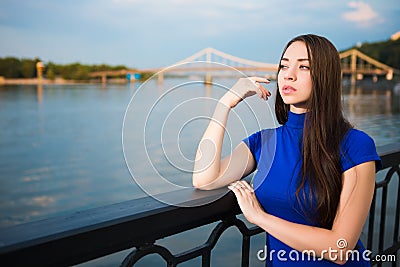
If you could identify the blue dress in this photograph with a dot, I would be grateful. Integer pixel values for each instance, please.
(277, 153)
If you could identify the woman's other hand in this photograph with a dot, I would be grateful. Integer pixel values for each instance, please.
(247, 200)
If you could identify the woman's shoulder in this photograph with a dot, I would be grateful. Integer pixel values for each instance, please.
(264, 133)
(356, 137)
(358, 147)
(262, 140)
(258, 138)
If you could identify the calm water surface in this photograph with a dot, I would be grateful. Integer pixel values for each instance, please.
(61, 146)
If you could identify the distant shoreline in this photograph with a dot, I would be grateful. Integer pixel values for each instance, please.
(36, 81)
(61, 81)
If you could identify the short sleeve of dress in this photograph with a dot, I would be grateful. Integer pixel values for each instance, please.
(357, 147)
(253, 142)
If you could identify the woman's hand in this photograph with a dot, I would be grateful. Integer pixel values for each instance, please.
(247, 201)
(243, 88)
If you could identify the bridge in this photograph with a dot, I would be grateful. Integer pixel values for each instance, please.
(354, 63)
(223, 64)
(357, 65)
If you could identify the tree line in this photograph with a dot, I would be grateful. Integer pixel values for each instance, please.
(387, 52)
(14, 68)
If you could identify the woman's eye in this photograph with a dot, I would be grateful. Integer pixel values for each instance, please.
(304, 67)
(283, 66)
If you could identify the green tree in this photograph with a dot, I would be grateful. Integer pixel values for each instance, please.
(75, 71)
(28, 68)
(50, 74)
(10, 67)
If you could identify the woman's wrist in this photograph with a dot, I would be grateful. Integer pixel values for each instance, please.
(229, 100)
(260, 219)
(223, 101)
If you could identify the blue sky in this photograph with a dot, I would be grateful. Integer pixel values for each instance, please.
(158, 33)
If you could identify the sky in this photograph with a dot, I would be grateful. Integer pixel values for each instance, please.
(159, 33)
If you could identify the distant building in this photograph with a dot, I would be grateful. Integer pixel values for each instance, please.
(39, 69)
(395, 36)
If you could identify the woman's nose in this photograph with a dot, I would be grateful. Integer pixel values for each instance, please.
(290, 74)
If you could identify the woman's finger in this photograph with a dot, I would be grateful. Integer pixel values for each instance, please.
(238, 188)
(239, 194)
(258, 89)
(247, 186)
(265, 90)
(235, 187)
(261, 90)
(260, 79)
(243, 186)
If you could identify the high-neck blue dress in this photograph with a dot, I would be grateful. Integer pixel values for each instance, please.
(277, 153)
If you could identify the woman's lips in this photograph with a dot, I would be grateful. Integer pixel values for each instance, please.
(288, 89)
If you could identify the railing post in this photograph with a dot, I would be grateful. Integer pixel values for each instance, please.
(245, 251)
(206, 259)
(371, 222)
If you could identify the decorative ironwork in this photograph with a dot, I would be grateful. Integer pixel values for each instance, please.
(203, 251)
(384, 186)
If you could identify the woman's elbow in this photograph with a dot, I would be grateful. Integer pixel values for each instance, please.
(197, 182)
(342, 256)
(340, 262)
(202, 184)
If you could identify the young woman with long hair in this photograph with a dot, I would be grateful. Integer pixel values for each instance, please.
(315, 173)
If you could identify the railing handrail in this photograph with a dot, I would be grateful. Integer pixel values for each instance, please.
(93, 233)
(86, 235)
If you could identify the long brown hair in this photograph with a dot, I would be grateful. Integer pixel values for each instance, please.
(324, 129)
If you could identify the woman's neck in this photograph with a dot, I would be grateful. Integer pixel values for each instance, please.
(298, 110)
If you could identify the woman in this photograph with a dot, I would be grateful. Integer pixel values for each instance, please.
(314, 185)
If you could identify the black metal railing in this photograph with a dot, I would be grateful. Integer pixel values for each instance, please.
(390, 159)
(137, 224)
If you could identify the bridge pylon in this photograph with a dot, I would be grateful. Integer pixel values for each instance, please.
(357, 65)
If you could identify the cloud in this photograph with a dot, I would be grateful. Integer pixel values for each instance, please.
(363, 14)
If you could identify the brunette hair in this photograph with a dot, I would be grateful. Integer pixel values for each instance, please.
(324, 129)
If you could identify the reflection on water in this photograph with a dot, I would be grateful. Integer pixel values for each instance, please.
(374, 110)
(60, 145)
(60, 150)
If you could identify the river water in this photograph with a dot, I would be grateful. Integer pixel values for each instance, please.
(63, 147)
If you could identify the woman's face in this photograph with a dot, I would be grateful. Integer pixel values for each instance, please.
(294, 78)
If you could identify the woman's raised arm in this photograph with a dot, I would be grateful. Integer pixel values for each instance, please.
(210, 171)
